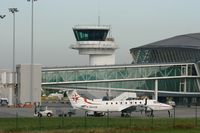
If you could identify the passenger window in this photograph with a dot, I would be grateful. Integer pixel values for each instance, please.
(106, 103)
(126, 102)
(121, 102)
(135, 102)
(130, 102)
(116, 102)
(140, 102)
(111, 103)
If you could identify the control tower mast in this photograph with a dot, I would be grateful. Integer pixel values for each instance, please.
(94, 41)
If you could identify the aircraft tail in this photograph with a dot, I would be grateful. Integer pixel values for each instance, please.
(75, 99)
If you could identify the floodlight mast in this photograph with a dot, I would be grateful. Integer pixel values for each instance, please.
(32, 49)
(13, 11)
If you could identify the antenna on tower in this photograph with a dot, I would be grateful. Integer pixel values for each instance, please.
(99, 16)
(110, 34)
(99, 19)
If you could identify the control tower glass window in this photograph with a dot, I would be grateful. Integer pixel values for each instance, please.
(90, 35)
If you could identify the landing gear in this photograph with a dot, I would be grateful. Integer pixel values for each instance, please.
(125, 114)
(152, 115)
(169, 113)
(122, 115)
(149, 113)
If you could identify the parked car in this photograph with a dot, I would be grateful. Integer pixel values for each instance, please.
(3, 101)
(68, 113)
(71, 112)
(94, 113)
(44, 111)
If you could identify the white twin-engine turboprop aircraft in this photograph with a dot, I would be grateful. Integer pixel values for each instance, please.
(124, 106)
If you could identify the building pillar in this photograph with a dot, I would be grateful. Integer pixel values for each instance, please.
(10, 96)
(156, 90)
(185, 85)
(25, 92)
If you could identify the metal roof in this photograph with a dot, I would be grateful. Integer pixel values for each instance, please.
(92, 27)
(181, 41)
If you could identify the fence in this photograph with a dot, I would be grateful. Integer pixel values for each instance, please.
(180, 118)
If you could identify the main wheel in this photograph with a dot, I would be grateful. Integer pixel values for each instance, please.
(127, 115)
(122, 115)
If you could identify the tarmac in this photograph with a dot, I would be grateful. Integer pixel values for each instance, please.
(59, 108)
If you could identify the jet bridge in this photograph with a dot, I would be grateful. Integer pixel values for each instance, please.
(158, 79)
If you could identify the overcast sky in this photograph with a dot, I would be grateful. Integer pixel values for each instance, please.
(134, 23)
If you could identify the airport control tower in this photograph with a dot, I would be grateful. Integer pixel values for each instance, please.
(94, 41)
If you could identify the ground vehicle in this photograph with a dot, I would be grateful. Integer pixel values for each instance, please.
(71, 112)
(44, 111)
(68, 113)
(94, 113)
(3, 101)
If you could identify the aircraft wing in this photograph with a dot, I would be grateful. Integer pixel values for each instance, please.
(129, 109)
(136, 108)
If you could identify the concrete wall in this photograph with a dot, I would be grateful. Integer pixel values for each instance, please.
(5, 76)
(6, 86)
(102, 59)
(24, 92)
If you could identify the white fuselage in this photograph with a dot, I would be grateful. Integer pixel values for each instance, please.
(105, 106)
(114, 106)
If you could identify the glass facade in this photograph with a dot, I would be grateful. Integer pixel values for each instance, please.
(164, 55)
(171, 77)
(90, 34)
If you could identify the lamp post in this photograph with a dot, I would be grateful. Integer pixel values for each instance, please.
(32, 51)
(13, 11)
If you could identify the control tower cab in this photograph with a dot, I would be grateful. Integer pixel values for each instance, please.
(94, 41)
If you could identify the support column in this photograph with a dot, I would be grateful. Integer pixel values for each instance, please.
(10, 96)
(156, 90)
(185, 85)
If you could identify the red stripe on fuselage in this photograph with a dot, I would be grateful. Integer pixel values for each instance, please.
(85, 99)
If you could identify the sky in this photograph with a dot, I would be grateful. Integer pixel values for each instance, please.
(134, 23)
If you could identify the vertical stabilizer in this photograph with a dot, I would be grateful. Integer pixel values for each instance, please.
(75, 99)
